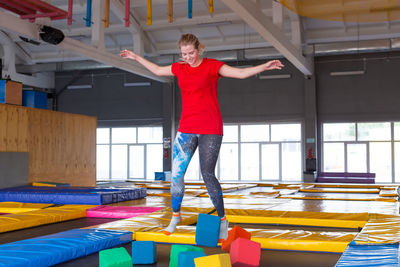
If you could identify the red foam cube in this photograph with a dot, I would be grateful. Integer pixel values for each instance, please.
(233, 234)
(245, 253)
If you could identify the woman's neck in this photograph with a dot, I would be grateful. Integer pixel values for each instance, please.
(196, 63)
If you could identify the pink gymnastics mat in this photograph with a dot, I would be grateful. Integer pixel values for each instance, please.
(122, 212)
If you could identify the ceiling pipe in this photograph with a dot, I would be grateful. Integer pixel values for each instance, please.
(149, 12)
(107, 14)
(70, 4)
(88, 13)
(127, 12)
(170, 11)
(190, 5)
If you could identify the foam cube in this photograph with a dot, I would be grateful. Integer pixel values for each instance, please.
(245, 253)
(186, 259)
(207, 230)
(10, 92)
(115, 257)
(218, 260)
(34, 99)
(233, 234)
(144, 252)
(177, 249)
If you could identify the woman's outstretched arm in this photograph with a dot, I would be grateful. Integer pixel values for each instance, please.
(154, 68)
(243, 73)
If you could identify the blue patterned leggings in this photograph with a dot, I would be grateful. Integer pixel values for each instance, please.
(184, 147)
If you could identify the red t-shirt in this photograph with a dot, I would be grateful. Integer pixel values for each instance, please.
(200, 108)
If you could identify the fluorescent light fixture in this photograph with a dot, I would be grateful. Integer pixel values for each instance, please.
(214, 24)
(271, 77)
(137, 84)
(82, 86)
(347, 73)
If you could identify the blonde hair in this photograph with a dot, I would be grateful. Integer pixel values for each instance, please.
(191, 39)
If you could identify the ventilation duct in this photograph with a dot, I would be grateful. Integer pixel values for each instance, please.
(51, 35)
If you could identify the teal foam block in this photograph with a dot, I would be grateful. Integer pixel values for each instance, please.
(115, 257)
(207, 230)
(144, 252)
(61, 247)
(177, 249)
(2, 91)
(186, 259)
(383, 255)
(34, 99)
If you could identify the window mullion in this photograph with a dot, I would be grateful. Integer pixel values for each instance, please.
(280, 162)
(110, 155)
(393, 155)
(259, 161)
(127, 158)
(239, 154)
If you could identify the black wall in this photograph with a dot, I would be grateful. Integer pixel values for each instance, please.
(373, 96)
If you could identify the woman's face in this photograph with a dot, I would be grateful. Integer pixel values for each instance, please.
(190, 54)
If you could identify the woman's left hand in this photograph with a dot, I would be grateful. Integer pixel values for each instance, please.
(274, 65)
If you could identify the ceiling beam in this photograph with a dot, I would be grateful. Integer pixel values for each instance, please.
(296, 29)
(351, 33)
(31, 30)
(262, 24)
(277, 14)
(141, 38)
(98, 25)
(165, 48)
(200, 20)
(221, 43)
(80, 8)
(108, 58)
(154, 3)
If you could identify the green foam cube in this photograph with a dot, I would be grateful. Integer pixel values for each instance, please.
(176, 249)
(115, 257)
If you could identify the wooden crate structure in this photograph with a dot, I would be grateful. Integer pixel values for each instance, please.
(61, 146)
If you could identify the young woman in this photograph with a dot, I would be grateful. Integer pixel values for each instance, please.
(201, 121)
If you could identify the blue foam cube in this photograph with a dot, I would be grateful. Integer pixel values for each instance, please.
(207, 230)
(2, 91)
(159, 176)
(144, 252)
(34, 99)
(186, 258)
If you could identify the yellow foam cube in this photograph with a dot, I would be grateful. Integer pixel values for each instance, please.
(218, 260)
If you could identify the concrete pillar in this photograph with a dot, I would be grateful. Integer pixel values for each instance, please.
(168, 124)
(310, 128)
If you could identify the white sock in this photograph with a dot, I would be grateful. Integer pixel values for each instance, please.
(223, 229)
(176, 218)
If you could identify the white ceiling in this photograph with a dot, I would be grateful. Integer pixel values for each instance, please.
(245, 29)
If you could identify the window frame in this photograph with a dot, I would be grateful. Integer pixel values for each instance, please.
(260, 143)
(128, 145)
(392, 141)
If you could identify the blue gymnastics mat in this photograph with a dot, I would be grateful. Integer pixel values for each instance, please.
(382, 255)
(70, 195)
(61, 247)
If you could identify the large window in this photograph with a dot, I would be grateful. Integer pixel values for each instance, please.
(129, 153)
(363, 147)
(254, 152)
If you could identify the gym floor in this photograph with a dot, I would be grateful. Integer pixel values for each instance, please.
(268, 257)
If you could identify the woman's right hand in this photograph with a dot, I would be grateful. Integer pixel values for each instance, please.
(128, 54)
